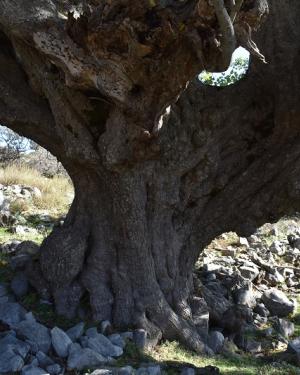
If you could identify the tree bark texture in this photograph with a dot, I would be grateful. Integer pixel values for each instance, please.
(152, 187)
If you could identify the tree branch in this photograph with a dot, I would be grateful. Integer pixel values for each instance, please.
(228, 44)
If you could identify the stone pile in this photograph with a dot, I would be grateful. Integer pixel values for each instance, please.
(250, 290)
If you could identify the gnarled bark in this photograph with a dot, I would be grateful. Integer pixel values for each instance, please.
(151, 190)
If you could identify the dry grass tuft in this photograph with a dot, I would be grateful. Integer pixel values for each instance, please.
(56, 192)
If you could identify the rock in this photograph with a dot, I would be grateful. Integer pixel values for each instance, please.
(9, 247)
(274, 278)
(277, 303)
(216, 341)
(294, 346)
(284, 327)
(253, 346)
(188, 371)
(10, 362)
(11, 313)
(127, 370)
(127, 335)
(12, 354)
(60, 342)
(140, 338)
(19, 261)
(54, 369)
(3, 290)
(277, 248)
(154, 370)
(103, 346)
(102, 371)
(76, 332)
(80, 358)
(44, 360)
(229, 347)
(245, 296)
(216, 302)
(33, 370)
(35, 332)
(30, 317)
(244, 242)
(22, 230)
(200, 313)
(35, 192)
(229, 252)
(91, 332)
(294, 241)
(10, 342)
(106, 327)
(28, 247)
(247, 344)
(19, 285)
(261, 310)
(249, 272)
(117, 339)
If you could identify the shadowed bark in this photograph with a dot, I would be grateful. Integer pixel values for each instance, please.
(152, 188)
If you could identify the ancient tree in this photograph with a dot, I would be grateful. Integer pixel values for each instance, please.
(158, 169)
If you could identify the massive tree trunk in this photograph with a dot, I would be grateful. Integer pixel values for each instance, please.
(151, 188)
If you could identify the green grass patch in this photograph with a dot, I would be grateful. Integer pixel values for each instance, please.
(6, 235)
(228, 365)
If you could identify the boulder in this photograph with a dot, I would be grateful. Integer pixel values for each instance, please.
(284, 327)
(117, 339)
(76, 332)
(54, 369)
(102, 371)
(19, 285)
(127, 370)
(103, 346)
(3, 290)
(33, 370)
(188, 371)
(249, 272)
(10, 342)
(216, 302)
(10, 362)
(274, 278)
(216, 341)
(140, 338)
(261, 310)
(294, 346)
(44, 360)
(9, 247)
(12, 354)
(277, 248)
(245, 296)
(36, 333)
(60, 342)
(200, 316)
(106, 327)
(244, 242)
(28, 247)
(19, 261)
(11, 313)
(81, 358)
(277, 303)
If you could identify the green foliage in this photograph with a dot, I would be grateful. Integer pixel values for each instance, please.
(235, 73)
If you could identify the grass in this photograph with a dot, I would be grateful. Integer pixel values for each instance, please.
(56, 192)
(228, 365)
(6, 235)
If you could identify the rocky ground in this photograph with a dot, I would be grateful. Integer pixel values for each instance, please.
(247, 289)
